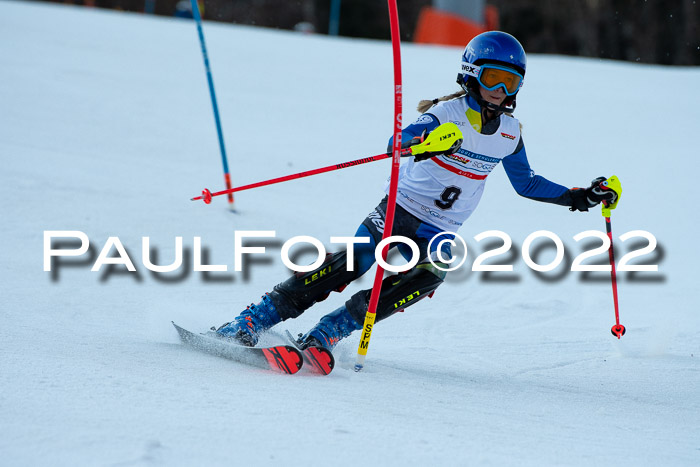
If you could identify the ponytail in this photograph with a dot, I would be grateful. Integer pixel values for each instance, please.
(425, 105)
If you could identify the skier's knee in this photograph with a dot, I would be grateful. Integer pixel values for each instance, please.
(364, 252)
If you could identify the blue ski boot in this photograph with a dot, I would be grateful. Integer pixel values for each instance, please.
(331, 329)
(252, 322)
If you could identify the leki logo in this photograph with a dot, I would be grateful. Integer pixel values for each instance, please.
(318, 275)
(403, 301)
(506, 135)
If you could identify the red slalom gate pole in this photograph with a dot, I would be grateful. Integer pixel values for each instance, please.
(393, 185)
(206, 195)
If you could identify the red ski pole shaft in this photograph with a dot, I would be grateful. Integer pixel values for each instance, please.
(207, 195)
(618, 330)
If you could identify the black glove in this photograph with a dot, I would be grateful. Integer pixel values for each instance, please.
(445, 152)
(415, 140)
(411, 142)
(582, 199)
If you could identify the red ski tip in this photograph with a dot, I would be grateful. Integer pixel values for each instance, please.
(618, 330)
(320, 359)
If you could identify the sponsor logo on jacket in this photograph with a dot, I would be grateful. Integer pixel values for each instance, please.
(423, 120)
(471, 163)
(457, 158)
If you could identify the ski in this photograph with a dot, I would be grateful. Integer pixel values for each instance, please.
(282, 358)
(317, 359)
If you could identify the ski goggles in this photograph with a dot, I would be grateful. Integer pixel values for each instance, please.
(491, 77)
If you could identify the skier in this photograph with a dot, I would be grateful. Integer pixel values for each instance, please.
(436, 193)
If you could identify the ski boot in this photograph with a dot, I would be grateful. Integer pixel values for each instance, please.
(252, 322)
(330, 330)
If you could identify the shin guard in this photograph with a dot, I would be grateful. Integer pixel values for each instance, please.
(398, 292)
(303, 289)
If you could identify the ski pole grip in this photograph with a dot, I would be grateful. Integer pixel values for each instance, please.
(612, 183)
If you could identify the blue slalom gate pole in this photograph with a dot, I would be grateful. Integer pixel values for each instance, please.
(334, 20)
(227, 177)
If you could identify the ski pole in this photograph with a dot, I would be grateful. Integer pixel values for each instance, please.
(442, 139)
(206, 195)
(393, 185)
(613, 183)
(212, 94)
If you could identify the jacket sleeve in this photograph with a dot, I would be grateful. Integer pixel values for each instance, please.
(426, 121)
(532, 186)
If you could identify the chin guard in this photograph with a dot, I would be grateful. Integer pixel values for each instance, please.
(445, 139)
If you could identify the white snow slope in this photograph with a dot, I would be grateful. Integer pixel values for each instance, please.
(106, 128)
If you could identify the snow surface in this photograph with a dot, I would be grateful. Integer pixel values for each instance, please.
(106, 128)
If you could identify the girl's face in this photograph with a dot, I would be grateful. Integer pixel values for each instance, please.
(497, 96)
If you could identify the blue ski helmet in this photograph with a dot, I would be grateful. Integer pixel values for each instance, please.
(496, 47)
(491, 47)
